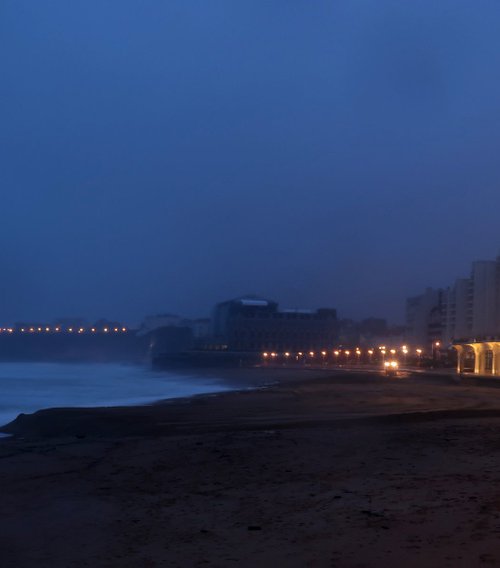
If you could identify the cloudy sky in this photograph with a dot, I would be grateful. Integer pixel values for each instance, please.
(162, 156)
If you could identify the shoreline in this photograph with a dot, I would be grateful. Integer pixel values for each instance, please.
(263, 390)
(338, 469)
(229, 380)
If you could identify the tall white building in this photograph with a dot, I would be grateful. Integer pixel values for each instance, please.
(485, 296)
(469, 309)
(458, 311)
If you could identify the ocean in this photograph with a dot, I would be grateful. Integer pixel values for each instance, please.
(28, 387)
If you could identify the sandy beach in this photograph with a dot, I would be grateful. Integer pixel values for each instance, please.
(322, 470)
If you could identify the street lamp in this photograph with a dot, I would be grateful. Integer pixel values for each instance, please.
(435, 347)
(358, 354)
(383, 355)
(336, 353)
(405, 352)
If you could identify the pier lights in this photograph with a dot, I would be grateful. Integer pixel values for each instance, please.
(93, 330)
(39, 329)
(58, 329)
(70, 330)
(124, 329)
(47, 329)
(32, 330)
(116, 329)
(22, 330)
(106, 330)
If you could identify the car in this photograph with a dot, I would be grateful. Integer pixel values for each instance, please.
(391, 367)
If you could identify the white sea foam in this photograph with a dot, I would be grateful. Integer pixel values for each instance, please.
(28, 387)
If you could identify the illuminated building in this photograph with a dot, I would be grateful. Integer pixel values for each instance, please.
(480, 357)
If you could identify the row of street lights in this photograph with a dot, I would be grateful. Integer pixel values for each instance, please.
(58, 329)
(338, 352)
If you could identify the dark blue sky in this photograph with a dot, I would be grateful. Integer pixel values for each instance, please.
(161, 156)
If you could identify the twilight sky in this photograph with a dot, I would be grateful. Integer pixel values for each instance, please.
(162, 156)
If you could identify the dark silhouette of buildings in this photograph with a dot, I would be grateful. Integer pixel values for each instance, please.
(256, 324)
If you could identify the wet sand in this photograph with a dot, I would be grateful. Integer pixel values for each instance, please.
(342, 470)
